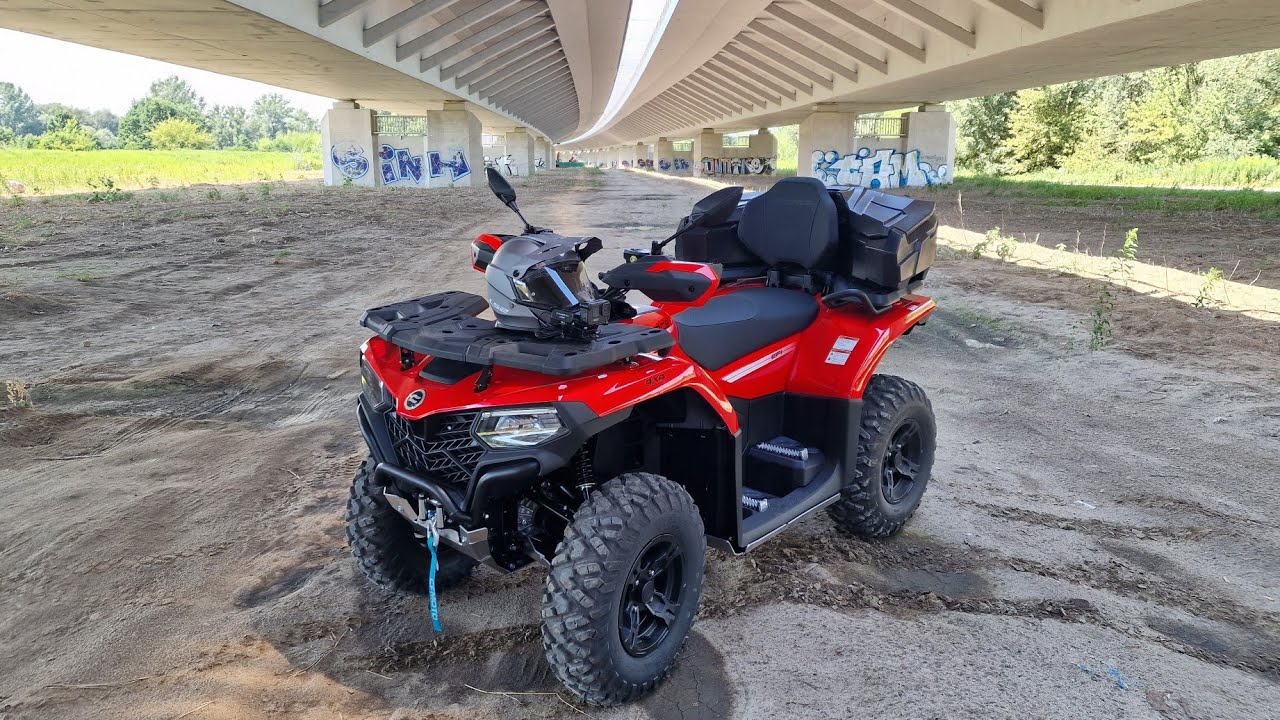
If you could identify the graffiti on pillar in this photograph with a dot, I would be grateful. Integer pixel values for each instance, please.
(664, 165)
(399, 165)
(456, 164)
(886, 168)
(540, 163)
(644, 164)
(682, 164)
(349, 160)
(738, 166)
(626, 164)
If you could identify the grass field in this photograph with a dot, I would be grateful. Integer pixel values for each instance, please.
(1160, 199)
(46, 172)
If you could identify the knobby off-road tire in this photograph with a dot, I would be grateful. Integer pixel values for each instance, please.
(601, 567)
(384, 545)
(877, 501)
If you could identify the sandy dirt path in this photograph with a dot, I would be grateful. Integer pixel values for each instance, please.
(1099, 540)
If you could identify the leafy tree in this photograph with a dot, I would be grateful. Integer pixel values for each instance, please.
(17, 112)
(103, 120)
(6, 136)
(1046, 125)
(106, 139)
(68, 135)
(982, 126)
(179, 134)
(1162, 125)
(145, 114)
(272, 116)
(56, 117)
(228, 124)
(177, 91)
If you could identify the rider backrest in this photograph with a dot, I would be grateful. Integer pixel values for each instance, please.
(794, 223)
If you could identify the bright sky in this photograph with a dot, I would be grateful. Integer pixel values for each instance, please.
(56, 71)
(645, 26)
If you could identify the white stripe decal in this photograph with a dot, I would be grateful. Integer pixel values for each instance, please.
(742, 372)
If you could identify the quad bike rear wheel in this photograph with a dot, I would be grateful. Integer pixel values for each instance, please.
(896, 442)
(385, 547)
(623, 588)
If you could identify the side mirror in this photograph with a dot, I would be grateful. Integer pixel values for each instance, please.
(502, 188)
(716, 207)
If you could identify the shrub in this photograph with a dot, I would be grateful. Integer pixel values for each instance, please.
(177, 134)
(69, 136)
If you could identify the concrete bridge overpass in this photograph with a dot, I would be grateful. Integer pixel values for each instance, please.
(541, 71)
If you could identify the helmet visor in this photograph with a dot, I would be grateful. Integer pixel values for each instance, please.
(563, 284)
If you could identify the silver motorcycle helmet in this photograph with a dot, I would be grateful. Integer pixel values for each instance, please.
(545, 272)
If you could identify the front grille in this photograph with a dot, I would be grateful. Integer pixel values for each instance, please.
(438, 446)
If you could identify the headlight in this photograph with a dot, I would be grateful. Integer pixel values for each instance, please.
(371, 387)
(519, 427)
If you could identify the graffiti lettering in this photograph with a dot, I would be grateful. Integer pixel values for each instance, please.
(682, 164)
(399, 165)
(349, 160)
(737, 166)
(885, 168)
(664, 165)
(456, 165)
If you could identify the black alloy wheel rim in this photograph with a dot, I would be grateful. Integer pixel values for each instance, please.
(651, 597)
(900, 466)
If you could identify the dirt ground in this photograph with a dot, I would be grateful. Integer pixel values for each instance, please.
(1100, 538)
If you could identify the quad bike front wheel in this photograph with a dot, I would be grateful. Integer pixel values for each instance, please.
(896, 442)
(624, 588)
(385, 548)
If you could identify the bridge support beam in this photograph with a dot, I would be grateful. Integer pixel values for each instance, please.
(346, 134)
(708, 145)
(664, 156)
(543, 153)
(520, 148)
(764, 145)
(924, 155)
(455, 134)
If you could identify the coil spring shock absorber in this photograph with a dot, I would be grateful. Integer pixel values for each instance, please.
(584, 470)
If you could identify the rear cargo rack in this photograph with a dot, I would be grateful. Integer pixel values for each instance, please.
(445, 325)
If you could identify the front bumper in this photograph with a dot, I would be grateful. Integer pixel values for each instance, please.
(464, 491)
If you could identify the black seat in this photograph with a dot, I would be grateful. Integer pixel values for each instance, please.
(793, 226)
(730, 326)
(795, 223)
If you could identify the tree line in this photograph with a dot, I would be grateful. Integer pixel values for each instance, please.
(171, 116)
(1224, 108)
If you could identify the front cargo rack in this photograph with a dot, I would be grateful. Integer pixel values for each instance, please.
(445, 325)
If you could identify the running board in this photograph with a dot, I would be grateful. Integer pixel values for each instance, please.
(792, 521)
(729, 547)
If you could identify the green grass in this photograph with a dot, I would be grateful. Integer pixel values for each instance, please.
(64, 171)
(1163, 199)
(1243, 172)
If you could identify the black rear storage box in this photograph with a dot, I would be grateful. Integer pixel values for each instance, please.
(720, 244)
(888, 241)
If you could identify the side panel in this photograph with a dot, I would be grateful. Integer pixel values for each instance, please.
(839, 353)
(605, 390)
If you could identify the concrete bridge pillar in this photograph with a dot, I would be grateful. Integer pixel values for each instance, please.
(664, 155)
(708, 147)
(830, 151)
(764, 145)
(346, 135)
(454, 142)
(520, 148)
(542, 154)
(641, 155)
(931, 131)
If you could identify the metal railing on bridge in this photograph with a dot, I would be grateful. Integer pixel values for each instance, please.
(400, 125)
(880, 127)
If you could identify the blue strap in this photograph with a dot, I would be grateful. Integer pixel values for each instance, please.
(432, 540)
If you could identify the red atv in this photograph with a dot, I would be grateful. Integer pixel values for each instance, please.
(612, 442)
